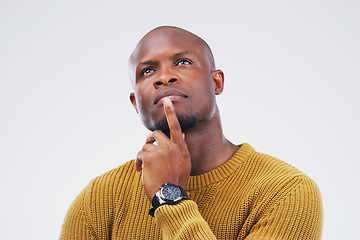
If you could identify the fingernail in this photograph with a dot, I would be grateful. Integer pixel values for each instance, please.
(167, 102)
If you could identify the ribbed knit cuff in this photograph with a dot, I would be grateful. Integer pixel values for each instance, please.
(181, 219)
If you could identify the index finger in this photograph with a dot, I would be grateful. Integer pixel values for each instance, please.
(176, 134)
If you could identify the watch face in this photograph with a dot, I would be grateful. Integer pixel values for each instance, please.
(171, 192)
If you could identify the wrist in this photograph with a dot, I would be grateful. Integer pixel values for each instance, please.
(169, 194)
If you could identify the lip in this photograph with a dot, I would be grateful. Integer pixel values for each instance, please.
(174, 94)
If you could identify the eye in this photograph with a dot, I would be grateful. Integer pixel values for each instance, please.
(146, 71)
(183, 62)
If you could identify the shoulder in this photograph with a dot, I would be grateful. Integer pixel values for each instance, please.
(101, 200)
(106, 190)
(282, 199)
(275, 179)
(264, 165)
(116, 178)
(112, 183)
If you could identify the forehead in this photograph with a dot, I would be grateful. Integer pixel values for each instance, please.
(166, 42)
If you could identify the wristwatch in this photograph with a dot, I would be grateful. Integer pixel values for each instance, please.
(168, 194)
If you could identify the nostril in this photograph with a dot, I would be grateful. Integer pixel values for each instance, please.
(172, 80)
(158, 83)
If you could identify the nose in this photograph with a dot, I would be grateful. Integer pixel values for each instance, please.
(165, 78)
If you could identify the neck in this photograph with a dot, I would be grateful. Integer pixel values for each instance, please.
(208, 147)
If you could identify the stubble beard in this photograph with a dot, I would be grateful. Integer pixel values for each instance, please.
(187, 122)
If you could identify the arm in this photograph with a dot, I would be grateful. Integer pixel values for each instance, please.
(76, 225)
(182, 221)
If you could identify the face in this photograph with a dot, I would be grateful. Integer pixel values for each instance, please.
(173, 64)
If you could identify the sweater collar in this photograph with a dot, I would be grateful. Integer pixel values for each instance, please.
(216, 175)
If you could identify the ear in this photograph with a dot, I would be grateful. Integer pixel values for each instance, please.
(218, 78)
(133, 101)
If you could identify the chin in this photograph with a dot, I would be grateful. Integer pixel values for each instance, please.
(187, 122)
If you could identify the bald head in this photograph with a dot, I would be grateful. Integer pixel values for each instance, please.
(165, 36)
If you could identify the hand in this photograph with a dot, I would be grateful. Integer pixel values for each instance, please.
(167, 162)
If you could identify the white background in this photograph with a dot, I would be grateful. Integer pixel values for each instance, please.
(291, 91)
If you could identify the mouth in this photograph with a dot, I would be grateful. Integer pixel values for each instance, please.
(173, 94)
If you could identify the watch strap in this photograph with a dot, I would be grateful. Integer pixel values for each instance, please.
(155, 203)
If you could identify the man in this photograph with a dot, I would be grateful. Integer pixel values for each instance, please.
(232, 192)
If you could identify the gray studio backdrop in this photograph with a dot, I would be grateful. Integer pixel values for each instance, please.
(291, 91)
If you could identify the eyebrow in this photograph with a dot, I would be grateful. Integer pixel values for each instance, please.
(146, 62)
(181, 53)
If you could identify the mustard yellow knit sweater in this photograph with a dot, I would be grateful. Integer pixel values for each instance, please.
(251, 196)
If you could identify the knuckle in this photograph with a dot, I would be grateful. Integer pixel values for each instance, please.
(176, 127)
(174, 151)
(156, 132)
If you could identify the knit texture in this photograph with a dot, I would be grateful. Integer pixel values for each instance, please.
(251, 196)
